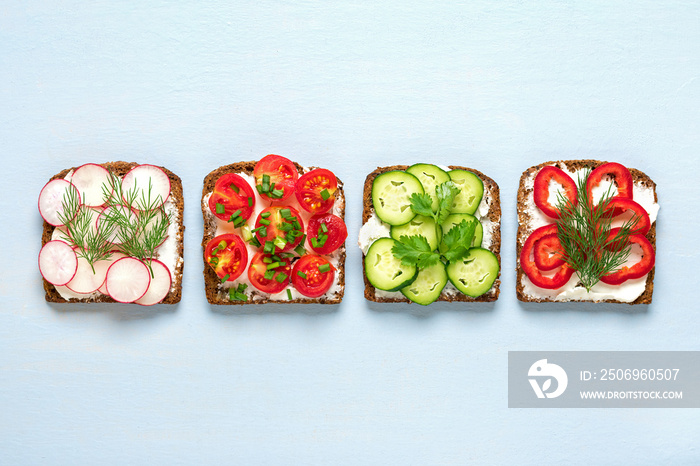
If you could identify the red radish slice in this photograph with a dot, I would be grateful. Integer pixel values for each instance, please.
(113, 258)
(158, 218)
(58, 263)
(160, 285)
(59, 233)
(86, 280)
(128, 279)
(90, 179)
(51, 200)
(145, 179)
(118, 233)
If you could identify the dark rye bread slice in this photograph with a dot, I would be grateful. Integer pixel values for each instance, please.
(524, 224)
(212, 281)
(494, 214)
(121, 169)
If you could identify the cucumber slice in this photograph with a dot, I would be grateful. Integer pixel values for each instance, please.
(456, 219)
(471, 190)
(391, 193)
(383, 270)
(428, 285)
(429, 176)
(420, 225)
(474, 275)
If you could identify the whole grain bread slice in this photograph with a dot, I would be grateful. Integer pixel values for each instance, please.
(120, 169)
(491, 190)
(212, 283)
(525, 193)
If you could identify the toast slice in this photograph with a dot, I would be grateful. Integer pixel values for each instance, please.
(216, 292)
(450, 293)
(174, 241)
(529, 219)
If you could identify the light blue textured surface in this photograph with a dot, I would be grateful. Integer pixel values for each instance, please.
(498, 86)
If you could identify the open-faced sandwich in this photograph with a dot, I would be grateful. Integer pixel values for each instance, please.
(274, 231)
(430, 233)
(586, 232)
(112, 233)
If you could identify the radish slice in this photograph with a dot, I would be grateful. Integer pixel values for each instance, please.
(160, 285)
(119, 233)
(113, 258)
(86, 280)
(89, 179)
(58, 263)
(51, 200)
(158, 218)
(60, 233)
(148, 185)
(128, 279)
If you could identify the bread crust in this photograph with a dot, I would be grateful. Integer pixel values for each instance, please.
(494, 214)
(120, 169)
(211, 280)
(524, 229)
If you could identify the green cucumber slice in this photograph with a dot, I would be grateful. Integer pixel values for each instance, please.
(428, 285)
(383, 270)
(420, 225)
(474, 275)
(471, 190)
(391, 193)
(430, 177)
(455, 219)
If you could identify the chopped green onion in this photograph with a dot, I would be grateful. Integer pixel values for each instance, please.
(276, 258)
(254, 242)
(250, 202)
(269, 274)
(280, 242)
(301, 274)
(286, 214)
(324, 268)
(289, 294)
(214, 261)
(269, 247)
(225, 278)
(265, 214)
(273, 266)
(265, 221)
(247, 234)
(325, 194)
(276, 194)
(259, 188)
(220, 209)
(296, 225)
(267, 260)
(235, 188)
(281, 277)
(284, 226)
(324, 228)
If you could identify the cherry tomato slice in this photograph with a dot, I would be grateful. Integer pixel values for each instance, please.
(272, 280)
(313, 275)
(275, 177)
(541, 189)
(618, 174)
(528, 265)
(639, 269)
(640, 222)
(227, 255)
(326, 233)
(549, 253)
(316, 189)
(232, 193)
(281, 225)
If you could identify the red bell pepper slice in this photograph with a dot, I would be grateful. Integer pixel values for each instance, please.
(642, 223)
(529, 266)
(541, 189)
(619, 174)
(641, 268)
(549, 253)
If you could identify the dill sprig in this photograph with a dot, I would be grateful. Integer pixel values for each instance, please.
(139, 222)
(91, 243)
(584, 230)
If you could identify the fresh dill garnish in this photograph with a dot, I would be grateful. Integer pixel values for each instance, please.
(584, 230)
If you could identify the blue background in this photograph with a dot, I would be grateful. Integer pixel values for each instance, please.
(349, 86)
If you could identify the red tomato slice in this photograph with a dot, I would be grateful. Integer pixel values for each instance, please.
(282, 224)
(638, 270)
(232, 193)
(528, 265)
(313, 275)
(281, 175)
(541, 189)
(620, 176)
(227, 255)
(327, 231)
(277, 277)
(316, 189)
(640, 222)
(549, 253)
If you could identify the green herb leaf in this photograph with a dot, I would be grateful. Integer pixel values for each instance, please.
(458, 240)
(415, 250)
(421, 204)
(446, 193)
